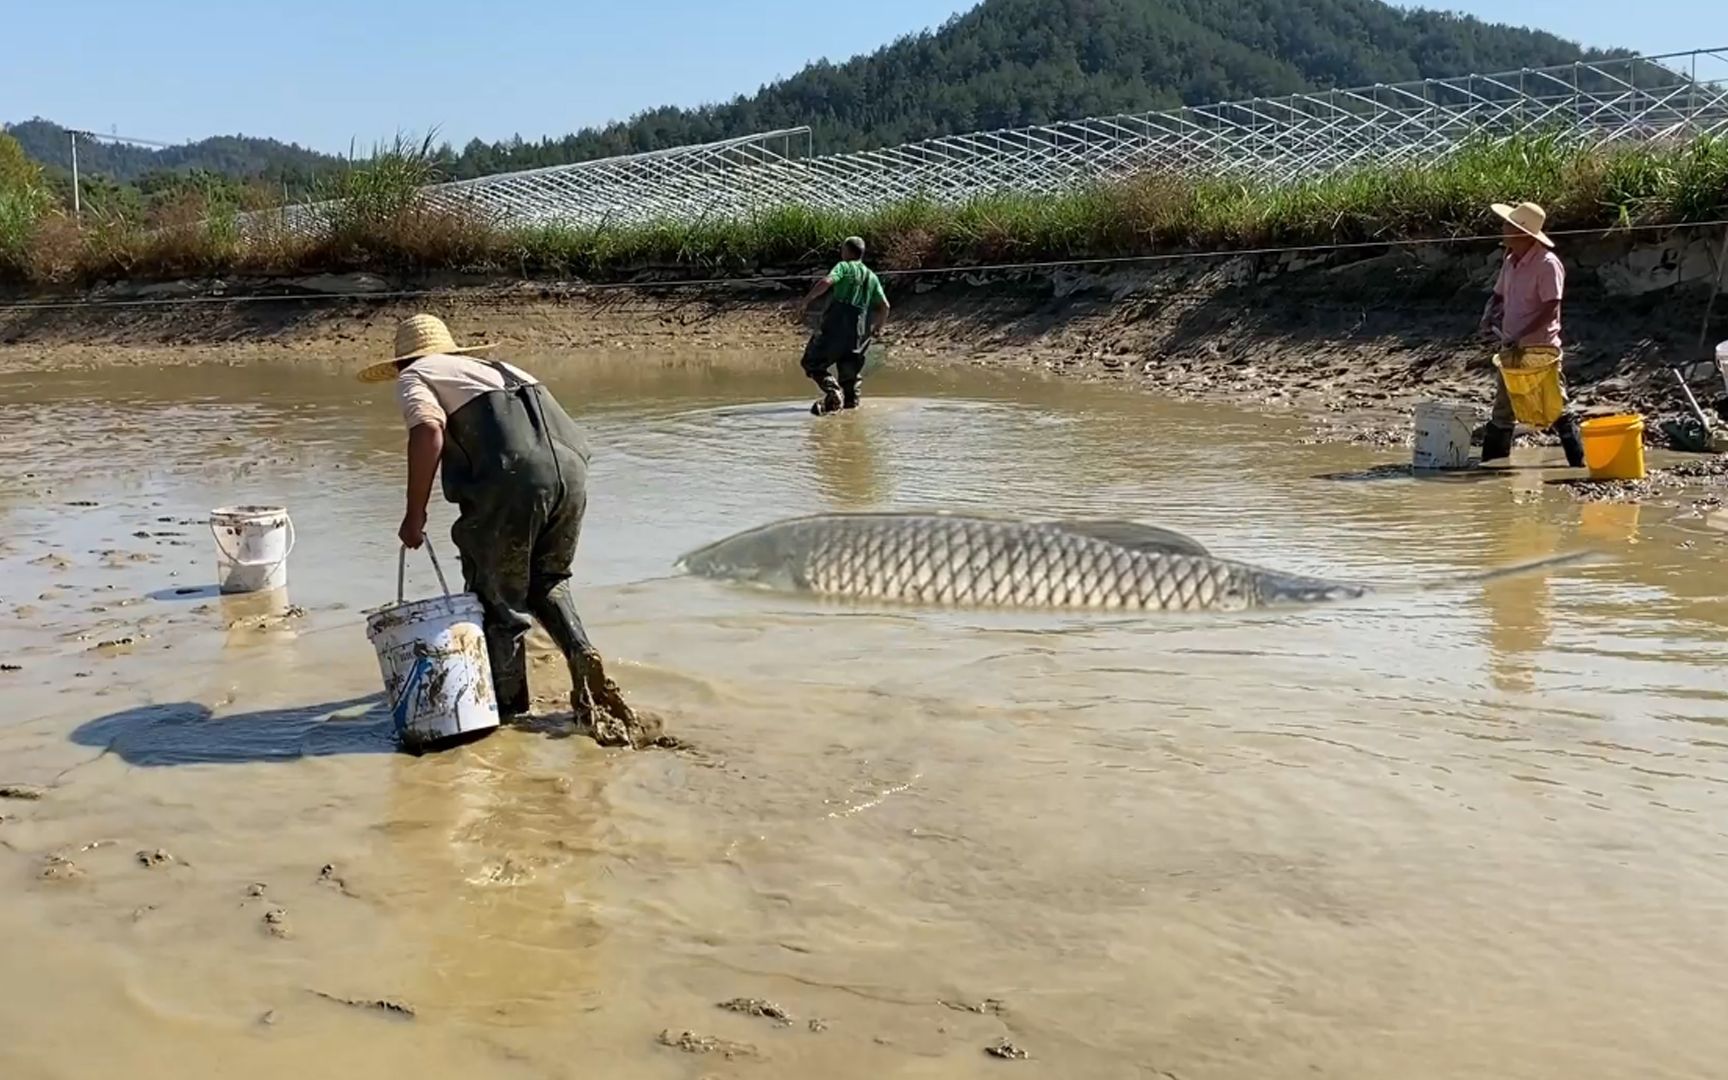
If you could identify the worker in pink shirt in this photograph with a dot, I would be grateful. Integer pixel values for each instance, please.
(1523, 314)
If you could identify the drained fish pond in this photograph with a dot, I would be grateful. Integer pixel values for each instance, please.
(1436, 823)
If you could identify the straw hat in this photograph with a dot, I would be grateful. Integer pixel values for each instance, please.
(1527, 217)
(421, 335)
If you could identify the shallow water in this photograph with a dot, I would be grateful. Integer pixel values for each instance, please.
(1477, 831)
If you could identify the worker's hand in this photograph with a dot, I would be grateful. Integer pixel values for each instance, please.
(413, 530)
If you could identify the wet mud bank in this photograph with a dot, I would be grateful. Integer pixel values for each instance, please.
(1352, 337)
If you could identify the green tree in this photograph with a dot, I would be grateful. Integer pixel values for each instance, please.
(17, 172)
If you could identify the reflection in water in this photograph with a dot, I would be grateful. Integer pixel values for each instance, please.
(1609, 524)
(1518, 607)
(846, 454)
(491, 847)
(254, 619)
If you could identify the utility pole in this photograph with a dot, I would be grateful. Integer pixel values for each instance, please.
(75, 135)
(77, 208)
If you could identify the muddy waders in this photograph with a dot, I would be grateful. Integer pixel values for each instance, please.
(838, 343)
(1503, 424)
(517, 467)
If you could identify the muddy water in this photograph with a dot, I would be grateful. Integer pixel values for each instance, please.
(1475, 832)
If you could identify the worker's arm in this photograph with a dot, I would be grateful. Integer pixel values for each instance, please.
(1543, 317)
(878, 316)
(425, 447)
(816, 291)
(1495, 309)
(878, 307)
(1492, 313)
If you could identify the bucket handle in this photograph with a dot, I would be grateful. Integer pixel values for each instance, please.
(223, 548)
(402, 571)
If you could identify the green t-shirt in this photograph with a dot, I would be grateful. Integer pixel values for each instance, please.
(856, 284)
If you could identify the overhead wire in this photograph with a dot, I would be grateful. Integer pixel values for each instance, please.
(714, 282)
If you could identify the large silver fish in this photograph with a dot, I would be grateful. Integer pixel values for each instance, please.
(961, 560)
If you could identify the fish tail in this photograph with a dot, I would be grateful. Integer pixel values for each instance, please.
(1517, 569)
(1277, 590)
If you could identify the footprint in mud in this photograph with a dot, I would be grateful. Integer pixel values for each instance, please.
(276, 922)
(53, 562)
(114, 645)
(328, 878)
(119, 560)
(691, 1043)
(22, 792)
(1007, 1051)
(767, 1010)
(987, 1007)
(60, 868)
(151, 860)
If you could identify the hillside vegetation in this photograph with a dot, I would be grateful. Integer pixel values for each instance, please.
(382, 225)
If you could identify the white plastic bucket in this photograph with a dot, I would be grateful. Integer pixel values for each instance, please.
(437, 677)
(252, 547)
(1443, 432)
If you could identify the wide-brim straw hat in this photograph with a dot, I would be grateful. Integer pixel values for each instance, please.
(421, 335)
(1526, 217)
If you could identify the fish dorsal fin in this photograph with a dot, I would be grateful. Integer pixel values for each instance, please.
(1134, 536)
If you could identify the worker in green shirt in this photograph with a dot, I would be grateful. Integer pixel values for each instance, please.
(855, 315)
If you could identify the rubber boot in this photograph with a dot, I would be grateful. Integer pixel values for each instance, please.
(1496, 442)
(849, 396)
(830, 403)
(1571, 440)
(509, 674)
(557, 614)
(596, 702)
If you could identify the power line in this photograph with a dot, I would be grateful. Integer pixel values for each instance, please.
(694, 283)
(120, 138)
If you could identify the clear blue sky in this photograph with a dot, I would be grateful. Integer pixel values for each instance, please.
(322, 72)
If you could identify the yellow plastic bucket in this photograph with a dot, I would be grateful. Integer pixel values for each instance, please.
(1532, 378)
(1614, 447)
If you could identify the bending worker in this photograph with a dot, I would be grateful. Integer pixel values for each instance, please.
(1523, 314)
(854, 316)
(517, 466)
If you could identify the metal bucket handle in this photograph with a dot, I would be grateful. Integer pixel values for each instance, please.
(223, 548)
(402, 572)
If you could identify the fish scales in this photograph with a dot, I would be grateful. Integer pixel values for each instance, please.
(987, 562)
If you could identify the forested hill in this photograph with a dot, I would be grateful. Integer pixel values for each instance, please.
(1008, 63)
(228, 155)
(1004, 63)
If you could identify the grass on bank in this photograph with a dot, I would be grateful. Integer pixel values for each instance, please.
(381, 224)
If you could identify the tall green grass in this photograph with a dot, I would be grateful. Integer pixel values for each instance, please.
(381, 222)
